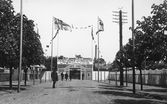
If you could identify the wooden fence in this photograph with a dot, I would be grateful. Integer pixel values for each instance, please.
(149, 77)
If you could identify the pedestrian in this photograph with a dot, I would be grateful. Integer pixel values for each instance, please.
(83, 76)
(62, 76)
(66, 76)
(70, 76)
(54, 77)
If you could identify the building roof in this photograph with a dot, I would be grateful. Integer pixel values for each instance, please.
(87, 66)
(62, 65)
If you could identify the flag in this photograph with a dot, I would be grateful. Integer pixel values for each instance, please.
(101, 26)
(56, 23)
(60, 25)
(92, 34)
(64, 26)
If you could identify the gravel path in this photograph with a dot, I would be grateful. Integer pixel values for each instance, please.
(77, 92)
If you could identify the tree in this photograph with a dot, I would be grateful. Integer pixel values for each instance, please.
(150, 36)
(32, 48)
(150, 41)
(48, 63)
(7, 42)
(61, 57)
(102, 63)
(10, 39)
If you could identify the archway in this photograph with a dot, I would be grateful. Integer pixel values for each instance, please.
(75, 73)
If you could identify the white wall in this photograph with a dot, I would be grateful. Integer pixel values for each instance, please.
(46, 76)
(103, 75)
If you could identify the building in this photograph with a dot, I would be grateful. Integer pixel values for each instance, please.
(77, 68)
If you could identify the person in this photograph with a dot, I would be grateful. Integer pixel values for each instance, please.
(83, 76)
(54, 77)
(62, 76)
(70, 76)
(66, 76)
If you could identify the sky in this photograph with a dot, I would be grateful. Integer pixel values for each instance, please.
(83, 13)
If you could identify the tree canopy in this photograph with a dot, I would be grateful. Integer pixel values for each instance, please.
(10, 38)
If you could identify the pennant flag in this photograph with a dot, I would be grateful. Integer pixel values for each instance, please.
(101, 25)
(92, 34)
(73, 27)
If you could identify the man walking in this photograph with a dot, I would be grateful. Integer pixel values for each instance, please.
(54, 77)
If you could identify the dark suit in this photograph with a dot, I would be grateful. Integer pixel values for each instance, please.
(54, 78)
(66, 76)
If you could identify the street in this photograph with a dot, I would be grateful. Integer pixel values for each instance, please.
(79, 92)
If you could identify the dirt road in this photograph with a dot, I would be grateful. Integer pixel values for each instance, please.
(76, 92)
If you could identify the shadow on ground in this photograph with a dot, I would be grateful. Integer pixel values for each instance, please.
(6, 88)
(135, 101)
(124, 92)
(156, 90)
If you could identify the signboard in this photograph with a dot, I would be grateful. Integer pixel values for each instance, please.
(75, 61)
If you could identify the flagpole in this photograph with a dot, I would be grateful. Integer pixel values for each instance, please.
(21, 37)
(60, 25)
(51, 66)
(98, 45)
(133, 51)
(92, 49)
(57, 50)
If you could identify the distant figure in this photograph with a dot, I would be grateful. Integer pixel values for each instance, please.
(66, 76)
(54, 77)
(70, 76)
(62, 76)
(83, 76)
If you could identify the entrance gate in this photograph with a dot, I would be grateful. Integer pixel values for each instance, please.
(75, 71)
(80, 69)
(75, 74)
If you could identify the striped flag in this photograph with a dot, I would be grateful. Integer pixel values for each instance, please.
(101, 25)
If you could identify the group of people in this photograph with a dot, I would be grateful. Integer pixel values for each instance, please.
(54, 77)
(66, 76)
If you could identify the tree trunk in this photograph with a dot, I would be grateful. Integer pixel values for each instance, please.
(116, 78)
(10, 77)
(141, 81)
(121, 76)
(126, 77)
(25, 77)
(109, 75)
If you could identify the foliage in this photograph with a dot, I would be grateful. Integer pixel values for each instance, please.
(102, 64)
(100, 60)
(150, 40)
(7, 43)
(61, 57)
(10, 38)
(48, 63)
